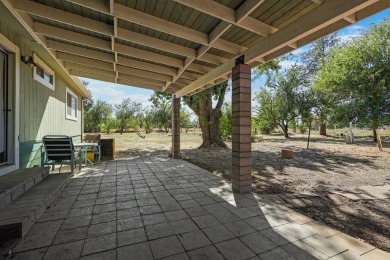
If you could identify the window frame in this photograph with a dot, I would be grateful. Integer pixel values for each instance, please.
(46, 69)
(67, 116)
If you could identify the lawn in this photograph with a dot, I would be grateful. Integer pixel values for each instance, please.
(330, 164)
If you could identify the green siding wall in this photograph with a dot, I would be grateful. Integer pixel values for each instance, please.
(42, 110)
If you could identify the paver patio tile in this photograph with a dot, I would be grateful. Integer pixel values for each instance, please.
(275, 220)
(127, 213)
(56, 215)
(129, 223)
(69, 235)
(183, 226)
(145, 210)
(159, 230)
(80, 211)
(176, 215)
(153, 219)
(193, 240)
(101, 229)
(170, 206)
(132, 236)
(258, 223)
(45, 227)
(301, 250)
(240, 228)
(208, 252)
(351, 243)
(99, 244)
(126, 204)
(105, 200)
(195, 212)
(225, 216)
(83, 203)
(188, 203)
(146, 202)
(125, 197)
(34, 241)
(182, 256)
(324, 246)
(213, 208)
(234, 249)
(79, 221)
(258, 243)
(103, 217)
(31, 254)
(104, 208)
(65, 251)
(138, 251)
(276, 253)
(165, 247)
(108, 255)
(218, 233)
(206, 221)
(279, 237)
(376, 254)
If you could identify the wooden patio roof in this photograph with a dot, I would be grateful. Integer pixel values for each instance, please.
(179, 46)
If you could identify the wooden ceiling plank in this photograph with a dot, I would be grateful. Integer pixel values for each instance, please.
(324, 15)
(97, 5)
(155, 43)
(147, 55)
(64, 47)
(93, 70)
(141, 80)
(91, 76)
(146, 66)
(137, 84)
(70, 36)
(63, 17)
(227, 14)
(143, 73)
(84, 61)
(138, 17)
(247, 8)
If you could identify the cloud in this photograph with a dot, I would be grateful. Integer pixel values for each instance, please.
(115, 93)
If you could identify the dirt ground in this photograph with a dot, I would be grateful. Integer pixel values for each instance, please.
(329, 164)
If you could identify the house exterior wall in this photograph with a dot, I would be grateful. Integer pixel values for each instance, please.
(42, 110)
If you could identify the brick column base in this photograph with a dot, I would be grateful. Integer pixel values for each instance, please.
(241, 129)
(175, 128)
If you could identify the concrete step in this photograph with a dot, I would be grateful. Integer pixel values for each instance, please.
(18, 217)
(14, 184)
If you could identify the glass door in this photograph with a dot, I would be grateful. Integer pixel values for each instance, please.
(3, 107)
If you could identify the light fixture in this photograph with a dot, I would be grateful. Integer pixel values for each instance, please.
(28, 60)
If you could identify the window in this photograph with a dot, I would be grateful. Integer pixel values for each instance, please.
(43, 73)
(71, 105)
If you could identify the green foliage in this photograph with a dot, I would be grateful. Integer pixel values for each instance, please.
(125, 114)
(185, 120)
(96, 115)
(357, 79)
(225, 124)
(303, 128)
(284, 98)
(163, 116)
(110, 124)
(148, 121)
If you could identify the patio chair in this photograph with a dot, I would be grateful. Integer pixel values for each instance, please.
(93, 138)
(59, 150)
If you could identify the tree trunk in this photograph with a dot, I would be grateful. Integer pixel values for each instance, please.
(209, 118)
(375, 135)
(323, 128)
(285, 130)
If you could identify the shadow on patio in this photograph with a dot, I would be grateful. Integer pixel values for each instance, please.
(154, 208)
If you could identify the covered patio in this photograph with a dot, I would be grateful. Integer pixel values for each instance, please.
(154, 208)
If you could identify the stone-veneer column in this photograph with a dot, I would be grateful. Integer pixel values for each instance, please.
(175, 128)
(241, 129)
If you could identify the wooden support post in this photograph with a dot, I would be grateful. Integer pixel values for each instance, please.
(175, 152)
(241, 128)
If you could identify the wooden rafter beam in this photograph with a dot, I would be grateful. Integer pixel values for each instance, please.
(324, 15)
(229, 15)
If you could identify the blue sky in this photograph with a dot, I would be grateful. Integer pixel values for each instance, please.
(115, 93)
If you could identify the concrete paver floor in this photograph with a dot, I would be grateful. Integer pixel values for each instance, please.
(153, 208)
